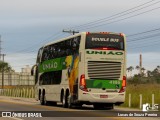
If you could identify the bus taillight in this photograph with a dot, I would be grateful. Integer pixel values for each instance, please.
(121, 34)
(87, 33)
(83, 85)
(123, 88)
(124, 81)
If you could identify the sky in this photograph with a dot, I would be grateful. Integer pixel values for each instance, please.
(25, 25)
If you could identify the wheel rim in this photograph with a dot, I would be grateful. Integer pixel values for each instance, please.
(69, 101)
(41, 99)
(44, 98)
(63, 100)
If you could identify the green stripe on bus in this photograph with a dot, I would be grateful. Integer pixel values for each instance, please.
(53, 65)
(108, 84)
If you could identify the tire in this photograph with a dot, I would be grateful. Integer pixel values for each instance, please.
(98, 106)
(54, 103)
(109, 106)
(64, 101)
(43, 99)
(69, 99)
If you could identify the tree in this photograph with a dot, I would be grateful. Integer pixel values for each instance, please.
(149, 73)
(137, 68)
(129, 69)
(5, 66)
(158, 68)
(143, 69)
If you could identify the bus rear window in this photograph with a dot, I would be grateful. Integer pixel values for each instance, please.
(108, 41)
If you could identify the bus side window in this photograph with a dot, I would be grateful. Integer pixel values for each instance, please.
(52, 52)
(57, 77)
(75, 44)
(63, 49)
(41, 79)
(68, 47)
(45, 55)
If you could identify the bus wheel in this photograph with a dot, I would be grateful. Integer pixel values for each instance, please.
(69, 99)
(64, 101)
(98, 106)
(109, 106)
(42, 99)
(53, 103)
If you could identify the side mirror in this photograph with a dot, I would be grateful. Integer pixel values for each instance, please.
(33, 70)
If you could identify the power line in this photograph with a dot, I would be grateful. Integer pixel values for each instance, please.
(144, 37)
(123, 18)
(135, 34)
(24, 50)
(108, 18)
(71, 31)
(152, 44)
(30, 48)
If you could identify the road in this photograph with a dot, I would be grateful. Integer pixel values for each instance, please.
(25, 107)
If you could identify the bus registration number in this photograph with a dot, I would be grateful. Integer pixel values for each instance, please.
(103, 96)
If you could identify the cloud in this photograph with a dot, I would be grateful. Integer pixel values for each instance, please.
(20, 60)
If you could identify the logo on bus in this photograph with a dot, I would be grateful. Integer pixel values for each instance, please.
(104, 52)
(50, 65)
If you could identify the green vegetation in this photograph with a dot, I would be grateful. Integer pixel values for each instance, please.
(146, 90)
(144, 83)
(144, 78)
(4, 66)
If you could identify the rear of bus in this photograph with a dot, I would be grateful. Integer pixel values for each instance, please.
(103, 80)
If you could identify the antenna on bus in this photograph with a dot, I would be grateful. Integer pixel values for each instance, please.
(70, 31)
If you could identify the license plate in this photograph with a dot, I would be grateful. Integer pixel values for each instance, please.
(103, 96)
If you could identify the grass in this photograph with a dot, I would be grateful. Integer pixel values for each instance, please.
(146, 90)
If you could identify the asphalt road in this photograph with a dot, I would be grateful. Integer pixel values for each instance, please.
(30, 107)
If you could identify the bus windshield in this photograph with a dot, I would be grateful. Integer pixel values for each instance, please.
(104, 41)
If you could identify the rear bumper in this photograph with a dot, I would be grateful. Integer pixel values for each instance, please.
(114, 98)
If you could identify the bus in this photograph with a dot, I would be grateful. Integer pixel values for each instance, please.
(86, 68)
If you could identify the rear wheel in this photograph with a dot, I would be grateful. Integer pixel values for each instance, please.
(54, 103)
(64, 101)
(43, 100)
(109, 106)
(69, 99)
(98, 106)
(101, 106)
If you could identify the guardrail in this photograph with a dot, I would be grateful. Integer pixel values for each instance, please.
(18, 92)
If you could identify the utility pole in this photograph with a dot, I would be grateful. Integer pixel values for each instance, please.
(140, 64)
(71, 31)
(2, 61)
(3, 71)
(0, 46)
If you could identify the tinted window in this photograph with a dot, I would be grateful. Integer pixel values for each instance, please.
(61, 49)
(104, 41)
(50, 78)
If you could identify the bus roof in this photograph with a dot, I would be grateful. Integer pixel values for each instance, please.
(78, 34)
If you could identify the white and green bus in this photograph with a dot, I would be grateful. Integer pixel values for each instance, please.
(86, 68)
